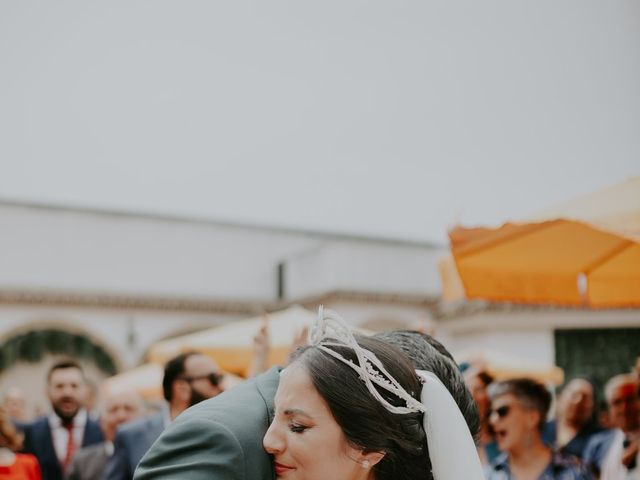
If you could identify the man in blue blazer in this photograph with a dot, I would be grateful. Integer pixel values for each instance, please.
(54, 438)
(597, 449)
(188, 379)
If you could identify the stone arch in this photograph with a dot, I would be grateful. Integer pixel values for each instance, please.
(31, 343)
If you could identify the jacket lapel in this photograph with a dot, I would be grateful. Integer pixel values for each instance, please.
(49, 458)
(92, 433)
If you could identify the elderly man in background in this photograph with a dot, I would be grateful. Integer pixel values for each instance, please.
(615, 453)
(118, 407)
(188, 379)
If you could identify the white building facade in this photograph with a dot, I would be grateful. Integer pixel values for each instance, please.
(124, 281)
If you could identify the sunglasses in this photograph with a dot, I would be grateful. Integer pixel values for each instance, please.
(629, 400)
(502, 411)
(213, 377)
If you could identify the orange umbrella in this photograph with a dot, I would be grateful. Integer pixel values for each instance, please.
(583, 253)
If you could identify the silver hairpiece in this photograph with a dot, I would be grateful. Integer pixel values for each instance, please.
(331, 330)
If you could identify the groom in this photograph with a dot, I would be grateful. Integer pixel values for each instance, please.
(221, 438)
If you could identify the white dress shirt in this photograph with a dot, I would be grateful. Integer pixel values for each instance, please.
(60, 434)
(612, 467)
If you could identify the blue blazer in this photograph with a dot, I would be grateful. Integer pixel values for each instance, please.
(39, 442)
(597, 449)
(131, 443)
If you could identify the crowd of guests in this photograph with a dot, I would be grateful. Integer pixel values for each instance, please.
(68, 443)
(515, 438)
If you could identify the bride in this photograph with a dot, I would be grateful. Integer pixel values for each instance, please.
(352, 408)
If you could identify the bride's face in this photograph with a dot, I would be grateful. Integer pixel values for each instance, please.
(304, 438)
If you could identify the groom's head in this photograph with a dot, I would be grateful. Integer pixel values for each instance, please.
(426, 353)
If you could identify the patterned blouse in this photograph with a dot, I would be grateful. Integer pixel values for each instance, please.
(561, 467)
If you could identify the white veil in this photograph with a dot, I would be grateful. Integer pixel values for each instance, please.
(451, 448)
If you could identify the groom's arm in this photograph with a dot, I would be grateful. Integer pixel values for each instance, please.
(194, 448)
(217, 439)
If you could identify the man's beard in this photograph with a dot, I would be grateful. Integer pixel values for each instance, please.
(196, 397)
(66, 417)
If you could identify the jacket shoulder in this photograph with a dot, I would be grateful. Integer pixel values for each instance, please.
(37, 428)
(220, 438)
(199, 449)
(597, 447)
(142, 425)
(601, 438)
(92, 433)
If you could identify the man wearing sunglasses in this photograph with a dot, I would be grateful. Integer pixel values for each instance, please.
(188, 379)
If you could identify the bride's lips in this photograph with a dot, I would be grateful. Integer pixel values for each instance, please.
(281, 468)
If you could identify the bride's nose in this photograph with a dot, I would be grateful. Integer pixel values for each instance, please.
(272, 441)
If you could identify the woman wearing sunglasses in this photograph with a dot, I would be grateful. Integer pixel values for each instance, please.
(518, 411)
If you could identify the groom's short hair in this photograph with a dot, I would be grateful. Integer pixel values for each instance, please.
(426, 353)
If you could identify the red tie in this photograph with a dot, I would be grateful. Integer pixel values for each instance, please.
(70, 446)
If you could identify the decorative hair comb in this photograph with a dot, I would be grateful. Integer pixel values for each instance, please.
(331, 330)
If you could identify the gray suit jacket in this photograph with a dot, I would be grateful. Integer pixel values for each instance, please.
(218, 439)
(89, 463)
(131, 443)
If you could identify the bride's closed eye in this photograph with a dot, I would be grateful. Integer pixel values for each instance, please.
(297, 428)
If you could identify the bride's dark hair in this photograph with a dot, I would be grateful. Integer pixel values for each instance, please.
(365, 422)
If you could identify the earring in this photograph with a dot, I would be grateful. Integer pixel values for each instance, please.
(366, 464)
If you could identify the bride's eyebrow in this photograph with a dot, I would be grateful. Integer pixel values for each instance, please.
(295, 411)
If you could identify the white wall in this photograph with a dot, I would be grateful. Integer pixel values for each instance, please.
(60, 256)
(376, 316)
(107, 253)
(363, 267)
(109, 328)
(526, 333)
(85, 251)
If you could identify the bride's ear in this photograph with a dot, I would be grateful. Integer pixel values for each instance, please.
(370, 459)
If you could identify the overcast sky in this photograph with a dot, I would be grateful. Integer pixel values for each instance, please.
(391, 118)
